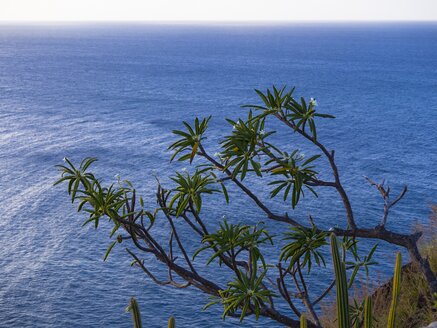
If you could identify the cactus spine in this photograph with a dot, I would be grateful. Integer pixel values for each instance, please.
(171, 322)
(341, 284)
(396, 290)
(135, 310)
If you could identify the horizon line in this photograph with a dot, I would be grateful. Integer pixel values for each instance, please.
(211, 22)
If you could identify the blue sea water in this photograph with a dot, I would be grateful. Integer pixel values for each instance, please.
(117, 91)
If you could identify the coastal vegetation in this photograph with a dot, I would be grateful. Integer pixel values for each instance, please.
(240, 277)
(416, 307)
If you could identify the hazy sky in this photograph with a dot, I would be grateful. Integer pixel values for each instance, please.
(216, 10)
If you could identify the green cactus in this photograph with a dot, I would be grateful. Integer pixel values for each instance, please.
(343, 317)
(368, 312)
(135, 310)
(303, 321)
(171, 322)
(136, 315)
(396, 290)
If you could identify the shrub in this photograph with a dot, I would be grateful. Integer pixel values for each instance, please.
(255, 285)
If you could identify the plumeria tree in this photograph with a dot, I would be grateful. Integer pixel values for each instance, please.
(256, 284)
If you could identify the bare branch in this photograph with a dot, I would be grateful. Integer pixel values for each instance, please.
(323, 295)
(385, 194)
(140, 263)
(284, 291)
(306, 297)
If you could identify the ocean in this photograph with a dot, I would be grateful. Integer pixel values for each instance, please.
(116, 91)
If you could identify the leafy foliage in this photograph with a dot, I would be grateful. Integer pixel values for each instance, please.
(299, 113)
(238, 248)
(76, 176)
(190, 139)
(246, 142)
(189, 190)
(274, 100)
(99, 201)
(246, 293)
(359, 262)
(356, 311)
(305, 244)
(232, 239)
(296, 173)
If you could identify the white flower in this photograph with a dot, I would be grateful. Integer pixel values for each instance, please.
(313, 102)
(262, 132)
(217, 154)
(331, 229)
(183, 169)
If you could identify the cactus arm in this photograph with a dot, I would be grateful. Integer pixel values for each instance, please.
(343, 318)
(396, 291)
(171, 322)
(368, 318)
(303, 321)
(135, 310)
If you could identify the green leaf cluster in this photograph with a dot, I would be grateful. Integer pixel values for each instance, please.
(245, 293)
(360, 262)
(243, 147)
(100, 201)
(232, 239)
(304, 247)
(190, 139)
(189, 190)
(295, 173)
(299, 113)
